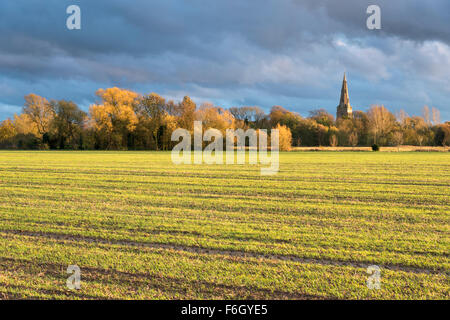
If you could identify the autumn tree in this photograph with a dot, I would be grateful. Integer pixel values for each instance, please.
(333, 140)
(153, 108)
(24, 125)
(322, 117)
(248, 116)
(280, 115)
(170, 125)
(345, 130)
(397, 137)
(7, 132)
(285, 137)
(401, 116)
(66, 124)
(416, 131)
(381, 122)
(115, 118)
(26, 133)
(215, 117)
(123, 119)
(353, 139)
(361, 127)
(442, 134)
(39, 111)
(306, 133)
(186, 112)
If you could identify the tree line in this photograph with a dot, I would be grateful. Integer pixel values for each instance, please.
(125, 120)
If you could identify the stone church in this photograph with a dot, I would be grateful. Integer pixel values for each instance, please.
(344, 109)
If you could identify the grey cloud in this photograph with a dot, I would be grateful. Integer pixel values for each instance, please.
(251, 52)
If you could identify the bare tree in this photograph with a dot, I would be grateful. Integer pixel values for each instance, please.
(381, 121)
(247, 113)
(436, 116)
(398, 139)
(402, 116)
(426, 114)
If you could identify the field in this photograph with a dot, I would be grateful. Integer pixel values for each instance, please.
(382, 149)
(140, 227)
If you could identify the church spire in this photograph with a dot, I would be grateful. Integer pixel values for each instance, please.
(344, 109)
(344, 92)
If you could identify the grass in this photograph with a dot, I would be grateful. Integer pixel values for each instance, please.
(140, 227)
(401, 148)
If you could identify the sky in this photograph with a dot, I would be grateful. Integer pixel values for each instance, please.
(291, 53)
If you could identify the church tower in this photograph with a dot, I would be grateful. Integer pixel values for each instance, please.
(344, 109)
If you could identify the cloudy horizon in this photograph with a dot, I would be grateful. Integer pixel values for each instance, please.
(231, 53)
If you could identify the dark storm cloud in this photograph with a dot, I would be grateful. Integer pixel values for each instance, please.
(407, 19)
(232, 52)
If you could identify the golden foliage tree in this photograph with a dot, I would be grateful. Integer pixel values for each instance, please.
(170, 125)
(39, 111)
(186, 112)
(215, 117)
(285, 137)
(7, 130)
(24, 125)
(123, 119)
(115, 117)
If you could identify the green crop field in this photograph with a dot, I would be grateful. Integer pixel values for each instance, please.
(141, 227)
